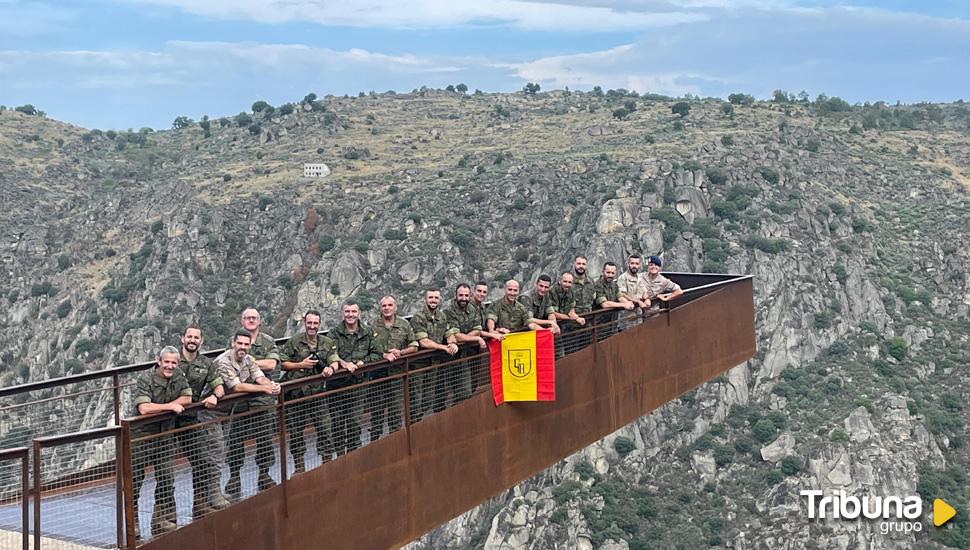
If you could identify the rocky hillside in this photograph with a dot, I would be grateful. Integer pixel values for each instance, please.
(852, 219)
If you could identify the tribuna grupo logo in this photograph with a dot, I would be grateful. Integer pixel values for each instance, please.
(897, 514)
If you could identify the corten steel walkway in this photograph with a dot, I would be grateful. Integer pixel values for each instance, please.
(392, 490)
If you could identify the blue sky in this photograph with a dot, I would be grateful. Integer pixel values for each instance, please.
(133, 63)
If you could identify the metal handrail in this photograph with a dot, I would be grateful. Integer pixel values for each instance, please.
(136, 367)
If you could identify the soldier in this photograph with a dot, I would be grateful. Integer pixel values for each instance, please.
(263, 348)
(583, 293)
(480, 373)
(659, 288)
(162, 390)
(539, 304)
(582, 286)
(308, 354)
(203, 447)
(465, 321)
(433, 331)
(607, 296)
(632, 287)
(508, 315)
(240, 374)
(395, 339)
(356, 346)
(564, 309)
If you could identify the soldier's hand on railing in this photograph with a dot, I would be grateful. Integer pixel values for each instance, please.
(176, 408)
(349, 366)
(581, 320)
(481, 343)
(646, 302)
(502, 330)
(329, 370)
(451, 349)
(273, 388)
(663, 297)
(210, 402)
(390, 357)
(629, 306)
(554, 327)
(397, 353)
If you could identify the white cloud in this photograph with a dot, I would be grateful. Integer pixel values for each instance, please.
(21, 19)
(521, 14)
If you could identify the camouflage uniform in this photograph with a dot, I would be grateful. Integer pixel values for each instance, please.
(603, 292)
(563, 301)
(427, 387)
(159, 452)
(468, 374)
(389, 396)
(311, 411)
(658, 285)
(583, 291)
(512, 316)
(346, 407)
(203, 447)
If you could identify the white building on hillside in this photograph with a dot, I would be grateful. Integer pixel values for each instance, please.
(315, 170)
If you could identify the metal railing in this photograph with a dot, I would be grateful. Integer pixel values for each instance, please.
(370, 404)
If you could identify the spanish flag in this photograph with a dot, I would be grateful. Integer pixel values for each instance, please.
(523, 367)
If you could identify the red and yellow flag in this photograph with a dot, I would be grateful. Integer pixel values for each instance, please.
(523, 367)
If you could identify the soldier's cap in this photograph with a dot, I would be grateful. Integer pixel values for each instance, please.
(655, 260)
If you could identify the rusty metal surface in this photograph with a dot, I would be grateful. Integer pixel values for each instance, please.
(382, 496)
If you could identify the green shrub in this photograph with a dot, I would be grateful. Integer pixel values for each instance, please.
(45, 288)
(565, 491)
(73, 366)
(790, 465)
(896, 347)
(623, 445)
(63, 309)
(744, 444)
(584, 469)
(769, 174)
(764, 244)
(395, 235)
(715, 176)
(728, 140)
(764, 430)
(838, 435)
(773, 477)
(723, 455)
(326, 243)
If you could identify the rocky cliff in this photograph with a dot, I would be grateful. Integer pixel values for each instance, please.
(853, 221)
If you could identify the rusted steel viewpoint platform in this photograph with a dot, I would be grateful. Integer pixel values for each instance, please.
(394, 490)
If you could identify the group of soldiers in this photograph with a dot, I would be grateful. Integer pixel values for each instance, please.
(254, 364)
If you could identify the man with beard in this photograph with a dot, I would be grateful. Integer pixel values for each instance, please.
(308, 354)
(632, 287)
(433, 331)
(583, 293)
(240, 374)
(465, 320)
(160, 391)
(582, 287)
(607, 296)
(203, 447)
(564, 310)
(508, 315)
(356, 346)
(659, 288)
(263, 348)
(395, 339)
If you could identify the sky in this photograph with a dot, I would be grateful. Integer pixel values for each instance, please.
(118, 64)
